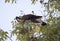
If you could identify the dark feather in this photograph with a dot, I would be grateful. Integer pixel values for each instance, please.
(43, 23)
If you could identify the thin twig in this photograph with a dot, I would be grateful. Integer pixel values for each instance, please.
(9, 38)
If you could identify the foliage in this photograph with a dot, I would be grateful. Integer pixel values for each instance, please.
(13, 1)
(55, 3)
(27, 31)
(3, 35)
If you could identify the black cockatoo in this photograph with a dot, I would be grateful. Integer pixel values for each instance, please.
(30, 17)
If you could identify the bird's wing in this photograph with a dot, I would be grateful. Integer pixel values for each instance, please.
(35, 21)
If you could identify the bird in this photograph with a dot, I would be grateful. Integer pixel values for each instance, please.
(28, 17)
(33, 18)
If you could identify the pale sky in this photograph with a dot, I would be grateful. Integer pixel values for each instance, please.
(9, 11)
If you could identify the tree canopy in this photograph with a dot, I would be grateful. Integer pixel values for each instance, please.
(29, 31)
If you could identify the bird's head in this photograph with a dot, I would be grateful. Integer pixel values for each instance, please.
(43, 24)
(18, 18)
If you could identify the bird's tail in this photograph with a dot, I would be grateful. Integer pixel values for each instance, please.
(38, 17)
